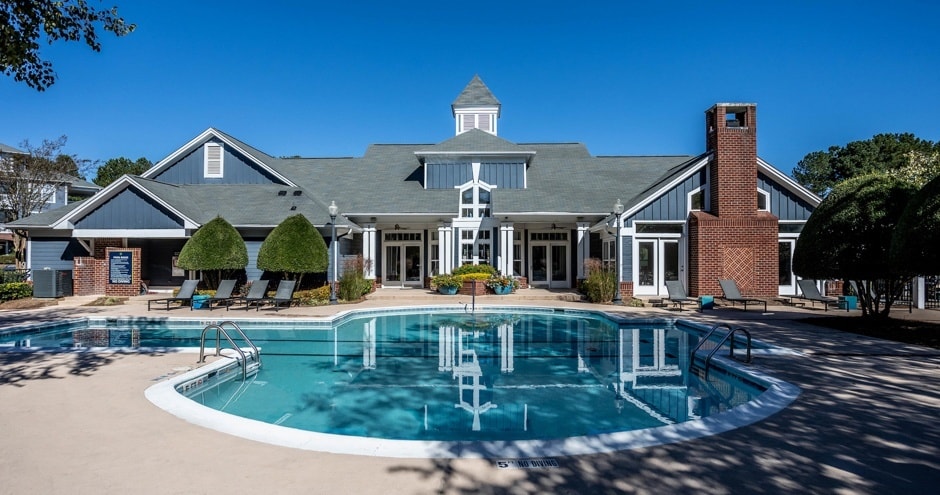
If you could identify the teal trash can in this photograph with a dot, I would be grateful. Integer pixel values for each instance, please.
(706, 302)
(847, 302)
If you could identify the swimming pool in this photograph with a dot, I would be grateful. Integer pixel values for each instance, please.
(436, 382)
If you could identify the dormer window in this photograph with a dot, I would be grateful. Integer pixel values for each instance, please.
(213, 160)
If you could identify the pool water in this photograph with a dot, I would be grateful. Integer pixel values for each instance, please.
(457, 376)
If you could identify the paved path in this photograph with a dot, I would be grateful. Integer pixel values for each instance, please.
(866, 422)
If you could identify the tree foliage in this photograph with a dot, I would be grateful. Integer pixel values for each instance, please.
(293, 248)
(114, 168)
(916, 239)
(216, 249)
(820, 171)
(848, 237)
(28, 181)
(23, 23)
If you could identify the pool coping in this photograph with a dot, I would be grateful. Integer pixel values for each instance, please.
(777, 396)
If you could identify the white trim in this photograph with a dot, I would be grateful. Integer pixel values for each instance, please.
(668, 186)
(132, 233)
(766, 195)
(790, 184)
(688, 200)
(202, 138)
(66, 222)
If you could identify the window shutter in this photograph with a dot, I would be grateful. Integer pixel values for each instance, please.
(485, 122)
(213, 160)
(468, 122)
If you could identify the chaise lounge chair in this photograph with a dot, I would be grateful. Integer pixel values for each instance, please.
(677, 295)
(811, 293)
(284, 294)
(255, 295)
(223, 294)
(185, 295)
(730, 291)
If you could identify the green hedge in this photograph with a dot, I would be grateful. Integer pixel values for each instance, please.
(15, 290)
(467, 269)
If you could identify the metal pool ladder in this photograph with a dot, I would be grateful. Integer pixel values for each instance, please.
(254, 355)
(728, 336)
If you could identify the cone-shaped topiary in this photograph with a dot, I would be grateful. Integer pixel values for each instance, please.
(293, 247)
(216, 249)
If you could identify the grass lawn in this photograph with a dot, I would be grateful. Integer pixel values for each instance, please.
(911, 332)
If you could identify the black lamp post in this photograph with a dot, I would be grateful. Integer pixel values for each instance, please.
(618, 210)
(334, 210)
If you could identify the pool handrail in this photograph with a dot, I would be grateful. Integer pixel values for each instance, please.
(220, 330)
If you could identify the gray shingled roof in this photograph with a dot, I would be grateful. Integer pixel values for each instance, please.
(475, 94)
(10, 150)
(477, 141)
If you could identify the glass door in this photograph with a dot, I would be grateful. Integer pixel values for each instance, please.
(657, 261)
(549, 266)
(402, 265)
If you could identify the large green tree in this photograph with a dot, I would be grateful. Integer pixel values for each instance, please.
(914, 247)
(820, 171)
(217, 250)
(848, 237)
(24, 23)
(114, 168)
(293, 248)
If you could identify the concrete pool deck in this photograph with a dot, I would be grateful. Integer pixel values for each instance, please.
(866, 422)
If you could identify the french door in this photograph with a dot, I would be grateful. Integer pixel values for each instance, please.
(787, 284)
(402, 265)
(656, 261)
(548, 265)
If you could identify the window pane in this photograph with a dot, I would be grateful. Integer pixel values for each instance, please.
(484, 197)
(786, 258)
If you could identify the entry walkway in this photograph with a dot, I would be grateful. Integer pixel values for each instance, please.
(865, 423)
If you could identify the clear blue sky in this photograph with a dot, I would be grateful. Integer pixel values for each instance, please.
(625, 78)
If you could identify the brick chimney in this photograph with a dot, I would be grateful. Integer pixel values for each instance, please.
(733, 240)
(731, 134)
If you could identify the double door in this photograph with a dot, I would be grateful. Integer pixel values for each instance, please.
(657, 260)
(548, 265)
(402, 265)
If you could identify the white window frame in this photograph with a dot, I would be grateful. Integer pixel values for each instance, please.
(476, 209)
(206, 172)
(766, 196)
(704, 199)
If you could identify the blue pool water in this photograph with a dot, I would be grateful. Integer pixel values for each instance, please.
(445, 376)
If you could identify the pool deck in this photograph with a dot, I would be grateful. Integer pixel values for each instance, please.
(867, 421)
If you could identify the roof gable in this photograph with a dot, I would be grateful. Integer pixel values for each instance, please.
(475, 94)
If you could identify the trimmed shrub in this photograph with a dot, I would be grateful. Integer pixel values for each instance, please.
(7, 259)
(216, 249)
(293, 248)
(313, 297)
(489, 270)
(15, 290)
(917, 235)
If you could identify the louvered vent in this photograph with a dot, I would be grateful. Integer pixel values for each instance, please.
(213, 160)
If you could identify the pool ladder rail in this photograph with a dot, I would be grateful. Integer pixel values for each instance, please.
(727, 337)
(254, 354)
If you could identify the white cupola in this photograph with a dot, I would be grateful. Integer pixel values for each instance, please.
(476, 108)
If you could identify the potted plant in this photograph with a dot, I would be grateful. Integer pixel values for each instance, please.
(447, 283)
(502, 284)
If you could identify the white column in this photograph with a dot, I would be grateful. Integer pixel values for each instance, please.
(368, 248)
(445, 246)
(584, 246)
(505, 248)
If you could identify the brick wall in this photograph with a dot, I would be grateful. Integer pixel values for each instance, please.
(90, 273)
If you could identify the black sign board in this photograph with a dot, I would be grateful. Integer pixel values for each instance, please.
(120, 267)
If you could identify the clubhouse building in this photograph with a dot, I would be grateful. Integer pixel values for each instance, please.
(533, 210)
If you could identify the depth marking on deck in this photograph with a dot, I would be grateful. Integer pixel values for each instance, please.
(538, 463)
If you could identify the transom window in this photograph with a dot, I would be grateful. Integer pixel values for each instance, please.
(403, 236)
(549, 236)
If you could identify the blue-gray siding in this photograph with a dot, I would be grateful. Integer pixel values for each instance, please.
(674, 204)
(236, 169)
(448, 175)
(627, 250)
(784, 204)
(503, 175)
(251, 271)
(130, 209)
(55, 253)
